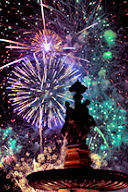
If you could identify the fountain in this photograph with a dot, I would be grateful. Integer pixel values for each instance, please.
(77, 174)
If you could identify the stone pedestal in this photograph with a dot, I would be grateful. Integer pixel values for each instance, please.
(77, 156)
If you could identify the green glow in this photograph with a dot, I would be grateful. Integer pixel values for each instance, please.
(107, 55)
(87, 81)
(6, 132)
(103, 147)
(13, 144)
(9, 142)
(109, 116)
(110, 37)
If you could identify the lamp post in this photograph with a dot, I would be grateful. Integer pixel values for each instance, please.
(77, 174)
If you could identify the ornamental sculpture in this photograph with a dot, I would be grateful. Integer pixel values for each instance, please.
(78, 120)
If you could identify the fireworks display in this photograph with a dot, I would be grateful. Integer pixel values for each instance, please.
(35, 87)
(45, 47)
(38, 91)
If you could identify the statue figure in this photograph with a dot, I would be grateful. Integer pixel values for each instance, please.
(78, 121)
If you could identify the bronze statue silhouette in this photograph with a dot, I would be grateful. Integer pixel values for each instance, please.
(78, 120)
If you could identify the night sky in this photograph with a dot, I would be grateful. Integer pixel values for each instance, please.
(44, 52)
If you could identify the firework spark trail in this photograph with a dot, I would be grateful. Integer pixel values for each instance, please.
(45, 41)
(42, 13)
(11, 63)
(10, 41)
(37, 91)
(102, 135)
(40, 126)
(83, 30)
